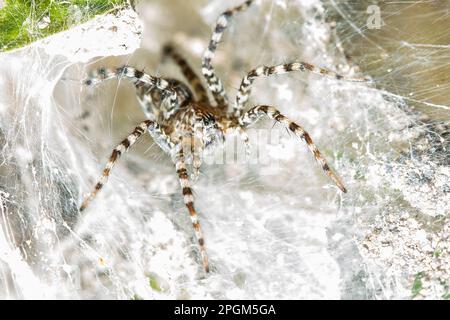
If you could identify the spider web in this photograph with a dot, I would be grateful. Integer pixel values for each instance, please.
(285, 234)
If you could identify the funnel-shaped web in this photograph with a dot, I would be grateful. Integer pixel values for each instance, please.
(280, 231)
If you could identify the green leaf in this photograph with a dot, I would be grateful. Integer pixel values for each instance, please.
(25, 21)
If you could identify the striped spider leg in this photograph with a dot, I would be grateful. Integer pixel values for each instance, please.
(264, 71)
(169, 51)
(188, 198)
(122, 148)
(142, 81)
(197, 146)
(214, 83)
(157, 132)
(255, 113)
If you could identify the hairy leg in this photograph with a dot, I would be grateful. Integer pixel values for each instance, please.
(195, 82)
(255, 113)
(188, 197)
(140, 80)
(214, 83)
(197, 146)
(123, 147)
(151, 100)
(263, 71)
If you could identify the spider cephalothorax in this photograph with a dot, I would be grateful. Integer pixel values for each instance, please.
(184, 123)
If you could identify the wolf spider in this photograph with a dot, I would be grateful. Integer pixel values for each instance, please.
(178, 117)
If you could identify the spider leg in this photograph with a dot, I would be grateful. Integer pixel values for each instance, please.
(255, 113)
(197, 146)
(188, 197)
(123, 147)
(139, 79)
(151, 100)
(262, 71)
(195, 82)
(214, 83)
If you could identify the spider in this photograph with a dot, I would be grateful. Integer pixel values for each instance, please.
(179, 118)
